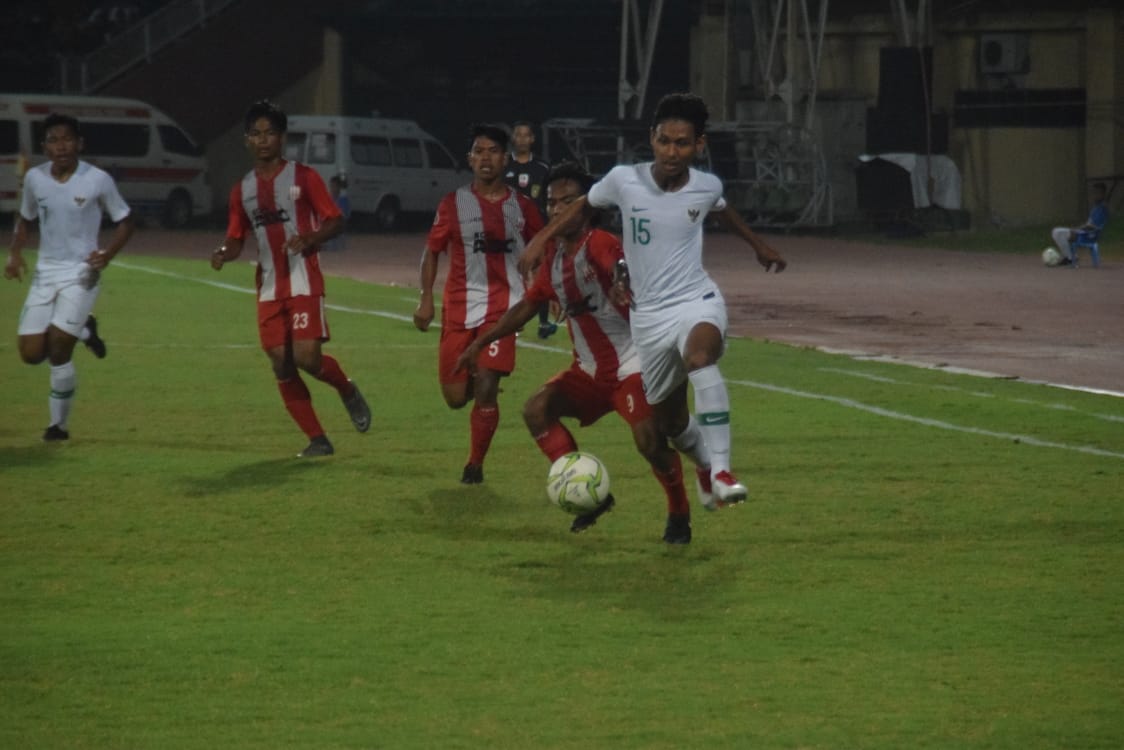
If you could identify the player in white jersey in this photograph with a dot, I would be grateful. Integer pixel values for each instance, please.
(679, 316)
(68, 198)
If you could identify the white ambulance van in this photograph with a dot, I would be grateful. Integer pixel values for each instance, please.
(390, 166)
(158, 168)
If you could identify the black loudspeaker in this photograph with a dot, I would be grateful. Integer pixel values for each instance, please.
(905, 78)
(883, 189)
(890, 131)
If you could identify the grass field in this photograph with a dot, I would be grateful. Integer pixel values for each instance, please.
(927, 560)
(1030, 240)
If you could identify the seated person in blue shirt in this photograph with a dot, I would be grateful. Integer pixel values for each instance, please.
(1090, 230)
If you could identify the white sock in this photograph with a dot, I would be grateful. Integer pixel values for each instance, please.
(84, 334)
(712, 408)
(63, 383)
(691, 444)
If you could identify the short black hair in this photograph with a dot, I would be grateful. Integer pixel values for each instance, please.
(525, 123)
(682, 106)
(267, 109)
(56, 119)
(571, 170)
(1100, 186)
(490, 131)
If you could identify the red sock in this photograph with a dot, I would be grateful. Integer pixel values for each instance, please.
(299, 403)
(331, 374)
(483, 421)
(556, 442)
(672, 483)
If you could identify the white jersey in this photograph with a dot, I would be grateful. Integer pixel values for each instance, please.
(69, 214)
(663, 232)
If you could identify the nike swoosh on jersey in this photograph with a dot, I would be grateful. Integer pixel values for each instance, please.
(635, 209)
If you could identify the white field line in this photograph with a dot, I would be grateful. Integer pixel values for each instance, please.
(975, 394)
(939, 424)
(845, 402)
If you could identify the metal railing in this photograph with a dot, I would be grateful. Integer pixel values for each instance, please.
(136, 44)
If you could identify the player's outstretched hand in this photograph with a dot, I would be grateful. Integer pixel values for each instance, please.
(15, 267)
(771, 259)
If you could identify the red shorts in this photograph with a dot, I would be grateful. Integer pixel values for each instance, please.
(498, 355)
(293, 319)
(596, 398)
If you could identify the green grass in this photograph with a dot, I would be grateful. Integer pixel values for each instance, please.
(172, 578)
(1030, 240)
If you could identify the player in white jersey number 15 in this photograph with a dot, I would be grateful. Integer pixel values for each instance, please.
(678, 318)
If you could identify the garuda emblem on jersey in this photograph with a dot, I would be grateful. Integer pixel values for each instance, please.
(693, 214)
(79, 200)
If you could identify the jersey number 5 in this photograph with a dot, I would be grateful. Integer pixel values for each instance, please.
(640, 233)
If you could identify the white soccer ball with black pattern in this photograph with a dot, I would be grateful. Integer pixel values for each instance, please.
(1051, 257)
(577, 482)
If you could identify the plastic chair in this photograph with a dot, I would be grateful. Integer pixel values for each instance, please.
(1086, 240)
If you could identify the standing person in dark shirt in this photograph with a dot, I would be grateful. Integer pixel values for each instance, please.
(528, 175)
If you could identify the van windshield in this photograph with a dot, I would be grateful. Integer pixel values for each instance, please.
(175, 141)
(9, 137)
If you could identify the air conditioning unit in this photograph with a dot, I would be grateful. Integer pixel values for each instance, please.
(1004, 53)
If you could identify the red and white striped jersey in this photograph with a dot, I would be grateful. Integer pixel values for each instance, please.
(581, 282)
(294, 201)
(484, 241)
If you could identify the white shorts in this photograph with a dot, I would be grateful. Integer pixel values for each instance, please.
(63, 303)
(661, 339)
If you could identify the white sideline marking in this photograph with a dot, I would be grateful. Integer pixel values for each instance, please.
(846, 402)
(977, 394)
(939, 424)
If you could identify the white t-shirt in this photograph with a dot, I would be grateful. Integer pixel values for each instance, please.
(663, 232)
(69, 213)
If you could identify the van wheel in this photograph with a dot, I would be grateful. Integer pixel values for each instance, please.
(177, 210)
(387, 214)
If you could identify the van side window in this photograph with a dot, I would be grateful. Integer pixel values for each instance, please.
(175, 141)
(9, 137)
(294, 146)
(321, 148)
(370, 151)
(113, 139)
(407, 152)
(438, 157)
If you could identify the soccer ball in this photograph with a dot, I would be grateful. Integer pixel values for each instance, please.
(1051, 257)
(577, 483)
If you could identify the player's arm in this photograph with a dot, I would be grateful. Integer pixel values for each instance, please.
(766, 255)
(329, 228)
(229, 250)
(536, 248)
(100, 258)
(515, 318)
(315, 192)
(423, 315)
(16, 264)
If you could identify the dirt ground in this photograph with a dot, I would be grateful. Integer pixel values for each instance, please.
(998, 313)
